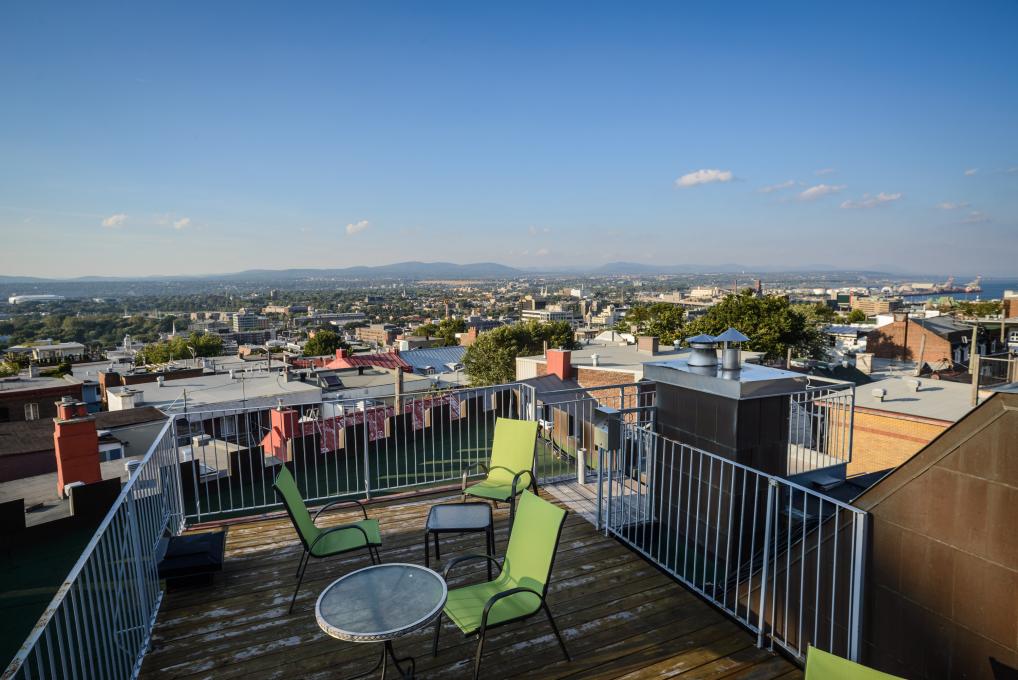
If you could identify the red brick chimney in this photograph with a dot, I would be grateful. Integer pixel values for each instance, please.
(341, 353)
(560, 363)
(77, 445)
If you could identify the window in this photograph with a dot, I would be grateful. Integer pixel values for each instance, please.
(31, 411)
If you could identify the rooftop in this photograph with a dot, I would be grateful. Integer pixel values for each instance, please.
(937, 399)
(620, 616)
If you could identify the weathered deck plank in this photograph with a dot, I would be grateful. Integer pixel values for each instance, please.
(620, 616)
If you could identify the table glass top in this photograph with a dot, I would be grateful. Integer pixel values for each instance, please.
(459, 516)
(381, 602)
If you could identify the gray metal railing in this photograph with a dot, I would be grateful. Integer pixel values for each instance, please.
(98, 623)
(348, 447)
(820, 423)
(783, 560)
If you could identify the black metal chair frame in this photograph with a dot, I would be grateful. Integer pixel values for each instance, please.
(305, 558)
(532, 484)
(480, 632)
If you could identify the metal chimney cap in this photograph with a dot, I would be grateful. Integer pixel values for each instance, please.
(732, 335)
(702, 338)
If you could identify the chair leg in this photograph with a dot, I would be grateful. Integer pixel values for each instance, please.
(438, 629)
(554, 628)
(300, 564)
(300, 579)
(477, 656)
(438, 555)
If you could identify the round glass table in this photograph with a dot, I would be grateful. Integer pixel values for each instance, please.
(379, 604)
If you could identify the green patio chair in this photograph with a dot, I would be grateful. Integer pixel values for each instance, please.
(821, 665)
(519, 590)
(327, 542)
(511, 469)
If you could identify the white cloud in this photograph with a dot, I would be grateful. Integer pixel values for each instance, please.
(357, 227)
(542, 252)
(182, 223)
(868, 201)
(820, 190)
(787, 184)
(951, 205)
(535, 231)
(115, 220)
(824, 171)
(971, 171)
(692, 179)
(976, 217)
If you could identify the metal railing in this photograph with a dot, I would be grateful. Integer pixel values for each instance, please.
(348, 447)
(783, 560)
(99, 621)
(820, 423)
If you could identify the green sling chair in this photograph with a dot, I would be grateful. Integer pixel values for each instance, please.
(511, 469)
(319, 542)
(519, 591)
(823, 666)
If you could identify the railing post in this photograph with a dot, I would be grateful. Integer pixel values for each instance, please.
(367, 456)
(772, 484)
(858, 583)
(136, 549)
(600, 486)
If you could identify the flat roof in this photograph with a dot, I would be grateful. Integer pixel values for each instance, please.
(936, 399)
(22, 382)
(216, 388)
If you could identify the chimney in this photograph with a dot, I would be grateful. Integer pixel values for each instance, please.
(341, 353)
(646, 344)
(560, 363)
(76, 443)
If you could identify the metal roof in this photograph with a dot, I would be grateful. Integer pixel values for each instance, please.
(433, 357)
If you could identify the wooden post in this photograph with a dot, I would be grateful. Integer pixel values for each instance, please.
(974, 367)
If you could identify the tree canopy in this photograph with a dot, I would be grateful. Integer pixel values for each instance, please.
(491, 360)
(856, 316)
(445, 330)
(659, 319)
(771, 322)
(203, 345)
(324, 342)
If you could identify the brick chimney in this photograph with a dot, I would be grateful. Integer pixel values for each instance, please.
(341, 353)
(560, 363)
(647, 344)
(76, 443)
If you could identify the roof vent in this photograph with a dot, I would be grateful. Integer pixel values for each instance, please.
(731, 355)
(704, 352)
(915, 384)
(594, 360)
(879, 393)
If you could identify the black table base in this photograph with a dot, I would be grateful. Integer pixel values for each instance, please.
(388, 652)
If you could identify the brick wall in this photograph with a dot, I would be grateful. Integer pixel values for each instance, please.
(886, 342)
(12, 404)
(881, 441)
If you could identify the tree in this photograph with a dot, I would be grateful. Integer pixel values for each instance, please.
(660, 319)
(197, 345)
(491, 360)
(856, 316)
(772, 324)
(324, 343)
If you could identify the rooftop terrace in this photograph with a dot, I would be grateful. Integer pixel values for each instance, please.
(620, 615)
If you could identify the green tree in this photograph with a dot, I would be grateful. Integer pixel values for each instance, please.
(197, 345)
(659, 319)
(491, 360)
(772, 324)
(856, 316)
(324, 343)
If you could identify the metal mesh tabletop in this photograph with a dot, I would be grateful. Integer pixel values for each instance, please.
(380, 602)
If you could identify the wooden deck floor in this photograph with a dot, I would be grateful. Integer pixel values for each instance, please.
(621, 617)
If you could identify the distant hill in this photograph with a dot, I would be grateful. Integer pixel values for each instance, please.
(398, 270)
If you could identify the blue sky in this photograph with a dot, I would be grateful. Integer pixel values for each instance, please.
(204, 137)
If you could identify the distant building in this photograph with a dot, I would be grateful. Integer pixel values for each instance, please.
(549, 314)
(287, 310)
(871, 306)
(382, 334)
(27, 397)
(939, 340)
(246, 321)
(51, 353)
(22, 299)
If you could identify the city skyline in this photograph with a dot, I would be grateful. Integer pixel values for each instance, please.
(141, 140)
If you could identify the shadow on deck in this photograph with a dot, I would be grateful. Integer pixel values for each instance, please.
(620, 616)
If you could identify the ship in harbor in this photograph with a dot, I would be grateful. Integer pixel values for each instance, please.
(922, 288)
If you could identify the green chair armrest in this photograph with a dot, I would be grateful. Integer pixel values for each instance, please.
(470, 558)
(339, 503)
(468, 468)
(502, 595)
